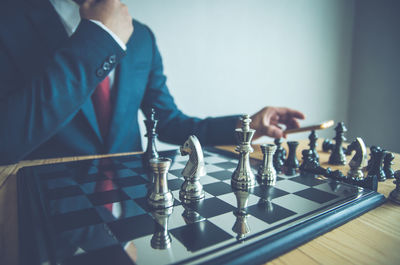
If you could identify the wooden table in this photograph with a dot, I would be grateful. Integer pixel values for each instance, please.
(373, 238)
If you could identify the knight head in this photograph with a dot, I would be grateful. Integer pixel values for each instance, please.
(187, 147)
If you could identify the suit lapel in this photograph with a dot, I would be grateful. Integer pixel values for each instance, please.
(48, 24)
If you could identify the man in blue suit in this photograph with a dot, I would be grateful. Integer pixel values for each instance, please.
(52, 60)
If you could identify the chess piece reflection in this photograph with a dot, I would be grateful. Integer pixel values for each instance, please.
(241, 226)
(160, 196)
(161, 238)
(359, 160)
(190, 215)
(266, 172)
(395, 194)
(191, 189)
(243, 176)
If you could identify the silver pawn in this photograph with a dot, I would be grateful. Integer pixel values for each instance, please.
(160, 196)
(161, 238)
(191, 189)
(266, 172)
(243, 176)
(359, 160)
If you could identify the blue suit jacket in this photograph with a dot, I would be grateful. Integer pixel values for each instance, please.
(46, 80)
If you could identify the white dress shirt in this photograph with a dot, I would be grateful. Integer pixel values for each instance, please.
(68, 11)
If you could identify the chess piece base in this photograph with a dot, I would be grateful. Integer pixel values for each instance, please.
(191, 191)
(395, 196)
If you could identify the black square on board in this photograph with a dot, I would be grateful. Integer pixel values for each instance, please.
(129, 181)
(226, 165)
(105, 197)
(308, 180)
(132, 227)
(176, 172)
(90, 178)
(63, 192)
(221, 175)
(211, 207)
(199, 235)
(217, 188)
(175, 184)
(76, 219)
(316, 195)
(104, 256)
(269, 212)
(268, 192)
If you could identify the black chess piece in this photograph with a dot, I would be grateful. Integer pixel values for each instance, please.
(308, 162)
(313, 137)
(151, 151)
(387, 165)
(375, 167)
(394, 195)
(373, 151)
(291, 163)
(279, 156)
(327, 145)
(337, 156)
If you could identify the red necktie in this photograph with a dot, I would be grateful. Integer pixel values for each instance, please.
(102, 106)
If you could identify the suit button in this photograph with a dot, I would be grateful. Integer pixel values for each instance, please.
(100, 72)
(112, 59)
(106, 66)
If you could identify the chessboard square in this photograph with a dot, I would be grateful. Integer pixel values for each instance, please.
(140, 170)
(269, 212)
(104, 256)
(101, 198)
(176, 172)
(175, 184)
(76, 219)
(133, 227)
(213, 168)
(176, 219)
(215, 159)
(211, 207)
(268, 192)
(124, 173)
(133, 164)
(134, 192)
(69, 204)
(296, 203)
(308, 180)
(63, 192)
(120, 210)
(207, 180)
(231, 199)
(221, 175)
(88, 238)
(338, 188)
(316, 195)
(59, 183)
(290, 186)
(130, 181)
(176, 166)
(90, 178)
(200, 235)
(226, 165)
(217, 188)
(98, 186)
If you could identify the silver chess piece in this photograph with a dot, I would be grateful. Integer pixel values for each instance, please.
(191, 189)
(241, 227)
(266, 172)
(394, 195)
(243, 176)
(359, 160)
(161, 238)
(160, 196)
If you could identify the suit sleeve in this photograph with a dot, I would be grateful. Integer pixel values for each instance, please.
(174, 126)
(31, 111)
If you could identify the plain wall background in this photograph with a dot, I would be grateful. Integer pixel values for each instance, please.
(233, 57)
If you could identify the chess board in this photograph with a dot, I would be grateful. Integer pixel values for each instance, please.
(65, 219)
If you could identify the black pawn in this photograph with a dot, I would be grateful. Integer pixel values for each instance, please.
(376, 168)
(313, 137)
(373, 153)
(308, 162)
(291, 163)
(337, 156)
(387, 165)
(279, 156)
(151, 151)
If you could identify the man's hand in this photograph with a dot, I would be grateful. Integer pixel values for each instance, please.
(112, 13)
(268, 120)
